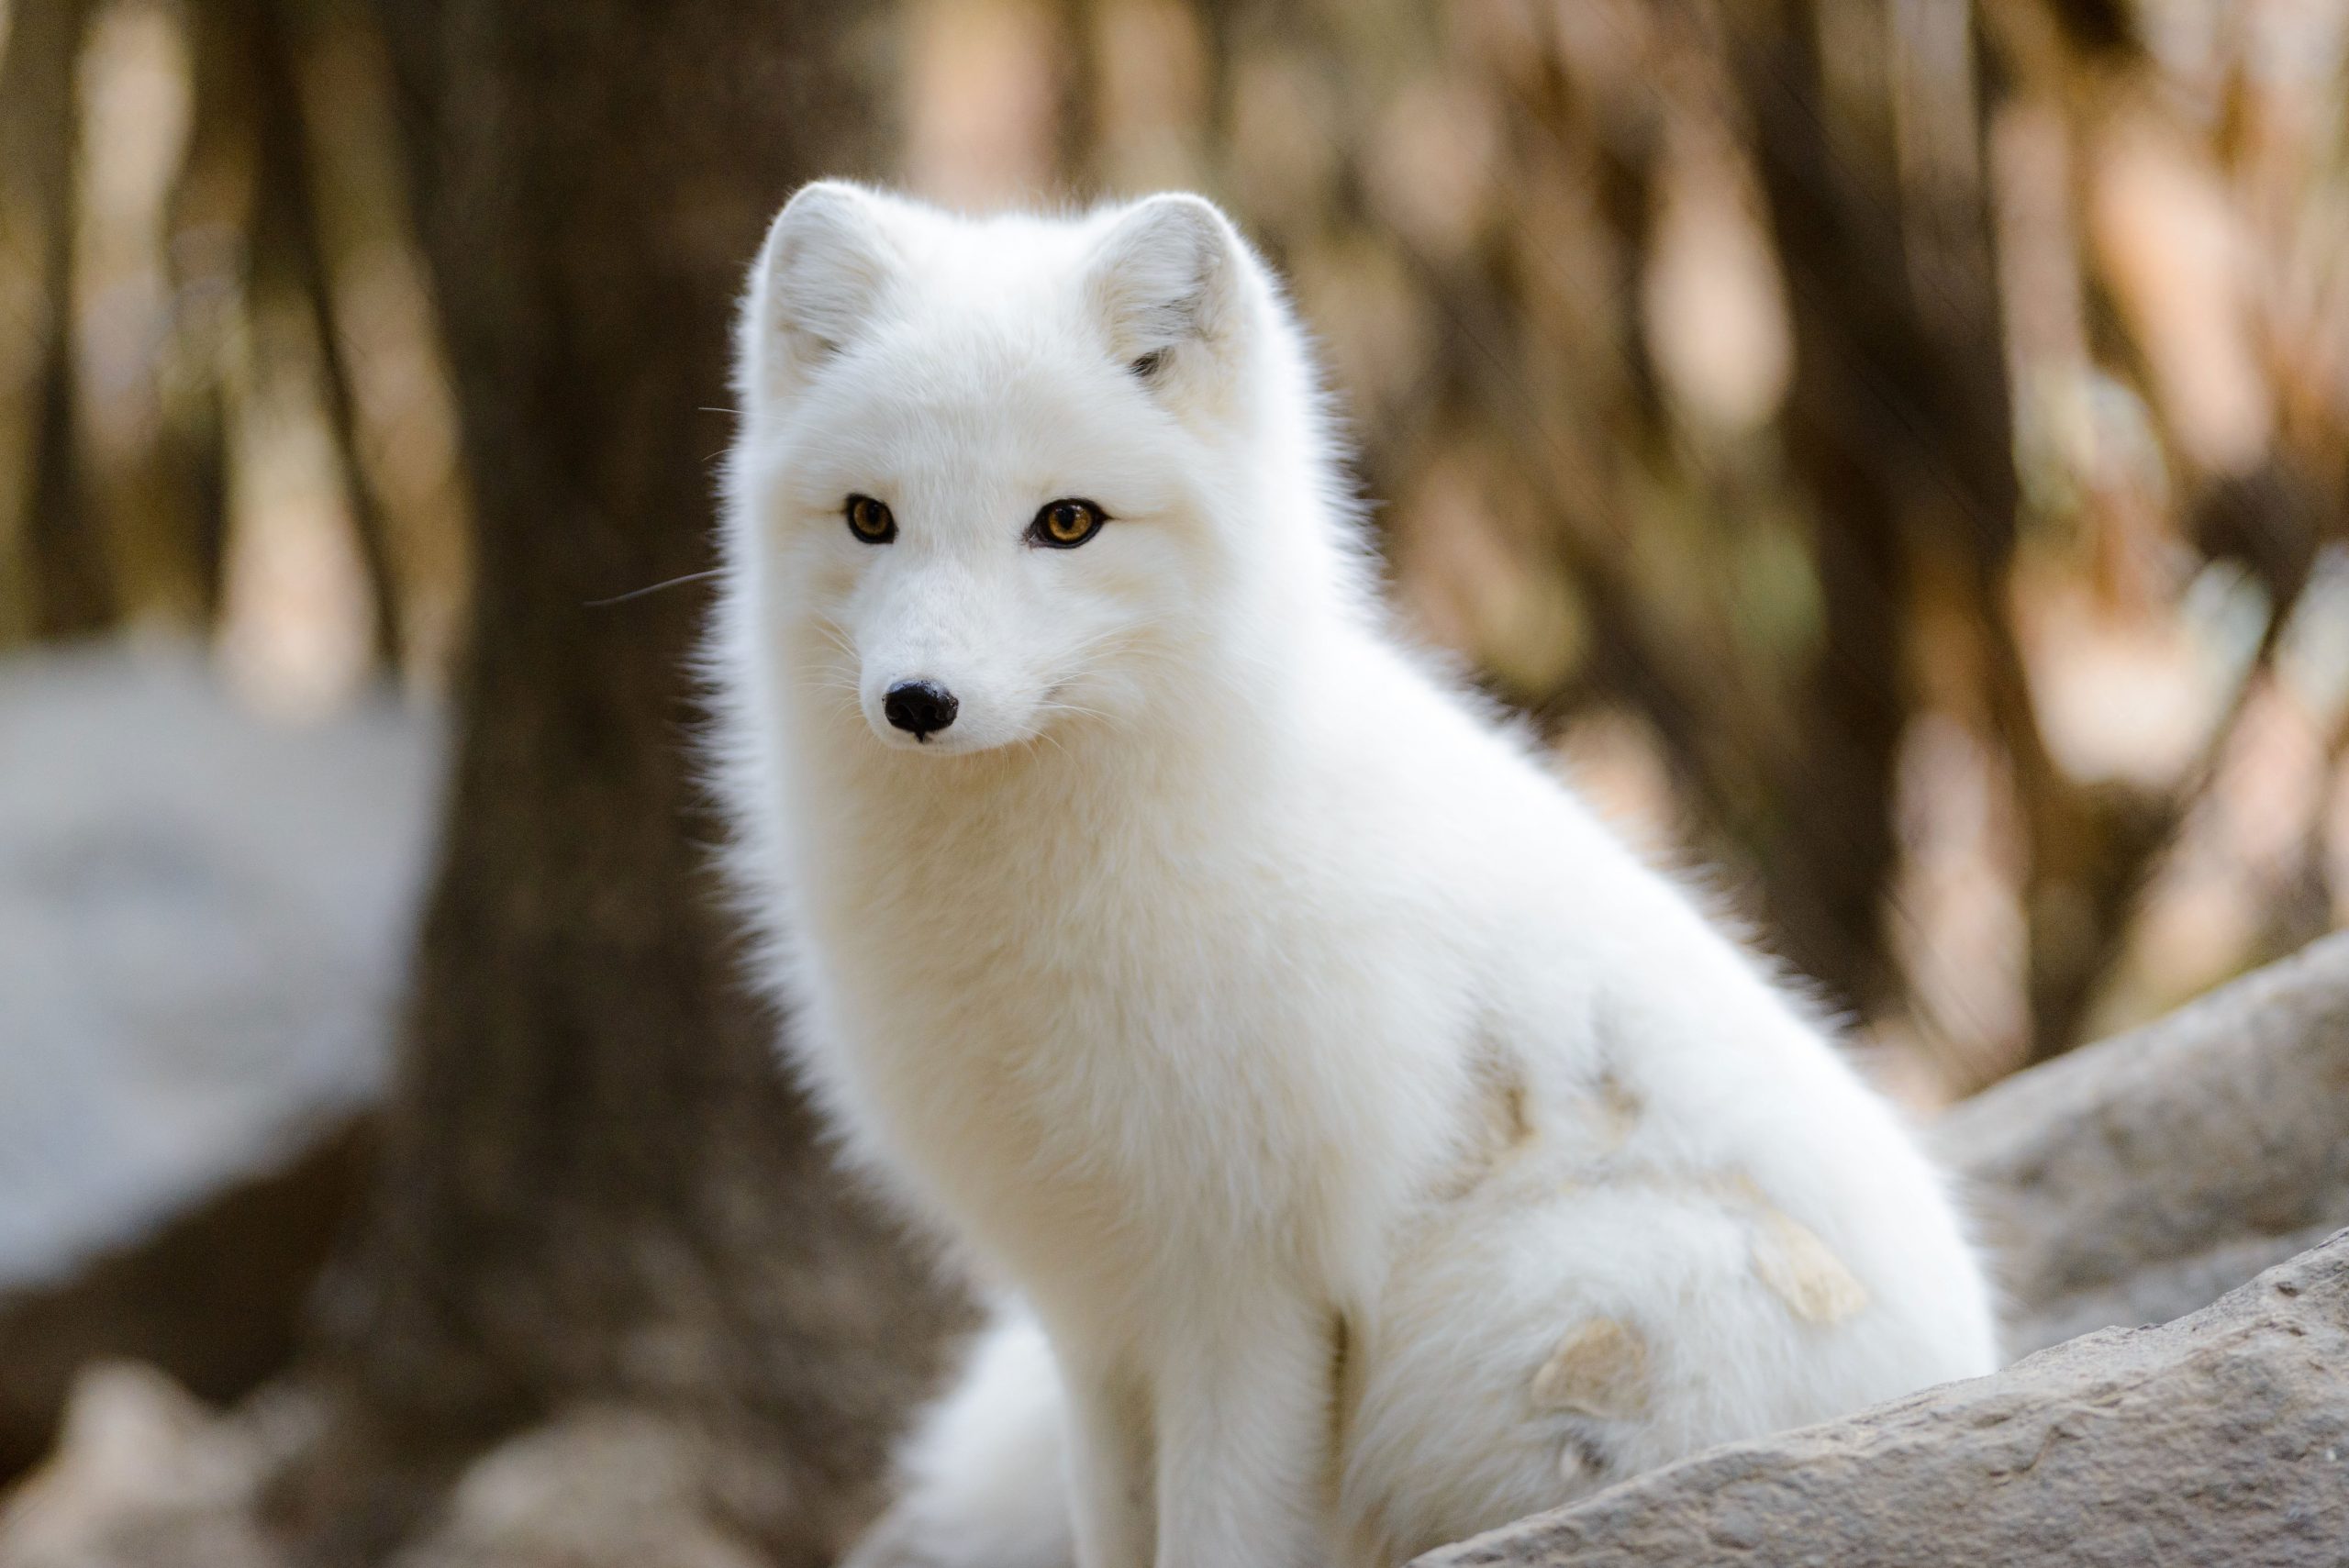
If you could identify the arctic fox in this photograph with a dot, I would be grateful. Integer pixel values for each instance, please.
(1376, 1150)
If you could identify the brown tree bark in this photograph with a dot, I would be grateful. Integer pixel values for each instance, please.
(1898, 424)
(53, 575)
(1864, 381)
(597, 1187)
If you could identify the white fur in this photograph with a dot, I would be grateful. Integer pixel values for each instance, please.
(1306, 1059)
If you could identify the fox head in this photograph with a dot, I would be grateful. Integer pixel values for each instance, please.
(1001, 476)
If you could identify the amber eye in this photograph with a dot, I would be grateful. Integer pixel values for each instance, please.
(1064, 525)
(870, 520)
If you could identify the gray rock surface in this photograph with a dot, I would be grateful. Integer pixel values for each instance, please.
(2219, 1439)
(2135, 1180)
(202, 920)
(203, 916)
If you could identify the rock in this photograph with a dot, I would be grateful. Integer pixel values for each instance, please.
(2222, 1439)
(2134, 1181)
(214, 1294)
(203, 916)
(601, 1487)
(145, 1474)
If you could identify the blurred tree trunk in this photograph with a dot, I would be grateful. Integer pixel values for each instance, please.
(1898, 423)
(597, 1185)
(1864, 379)
(53, 576)
(289, 261)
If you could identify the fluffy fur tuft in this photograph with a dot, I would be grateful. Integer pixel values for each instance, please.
(1378, 1152)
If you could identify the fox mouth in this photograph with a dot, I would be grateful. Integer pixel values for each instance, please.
(957, 742)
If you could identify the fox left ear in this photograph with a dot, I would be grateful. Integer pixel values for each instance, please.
(1168, 281)
(828, 258)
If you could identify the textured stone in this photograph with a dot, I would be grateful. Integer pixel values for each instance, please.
(597, 1487)
(203, 914)
(145, 1474)
(2134, 1181)
(2222, 1439)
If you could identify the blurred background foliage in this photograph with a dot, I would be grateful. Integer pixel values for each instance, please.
(1893, 450)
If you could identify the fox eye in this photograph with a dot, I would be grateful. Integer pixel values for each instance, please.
(870, 520)
(1065, 524)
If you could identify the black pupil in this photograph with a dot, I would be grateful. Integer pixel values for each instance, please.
(1067, 519)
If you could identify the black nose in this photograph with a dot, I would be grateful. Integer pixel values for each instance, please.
(921, 708)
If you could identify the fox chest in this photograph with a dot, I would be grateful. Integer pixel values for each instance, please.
(1072, 1047)
(1087, 1077)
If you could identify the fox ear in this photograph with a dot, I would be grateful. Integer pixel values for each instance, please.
(1167, 283)
(827, 259)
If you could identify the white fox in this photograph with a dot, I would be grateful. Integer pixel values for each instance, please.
(1378, 1150)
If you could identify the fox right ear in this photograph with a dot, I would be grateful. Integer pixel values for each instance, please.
(827, 259)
